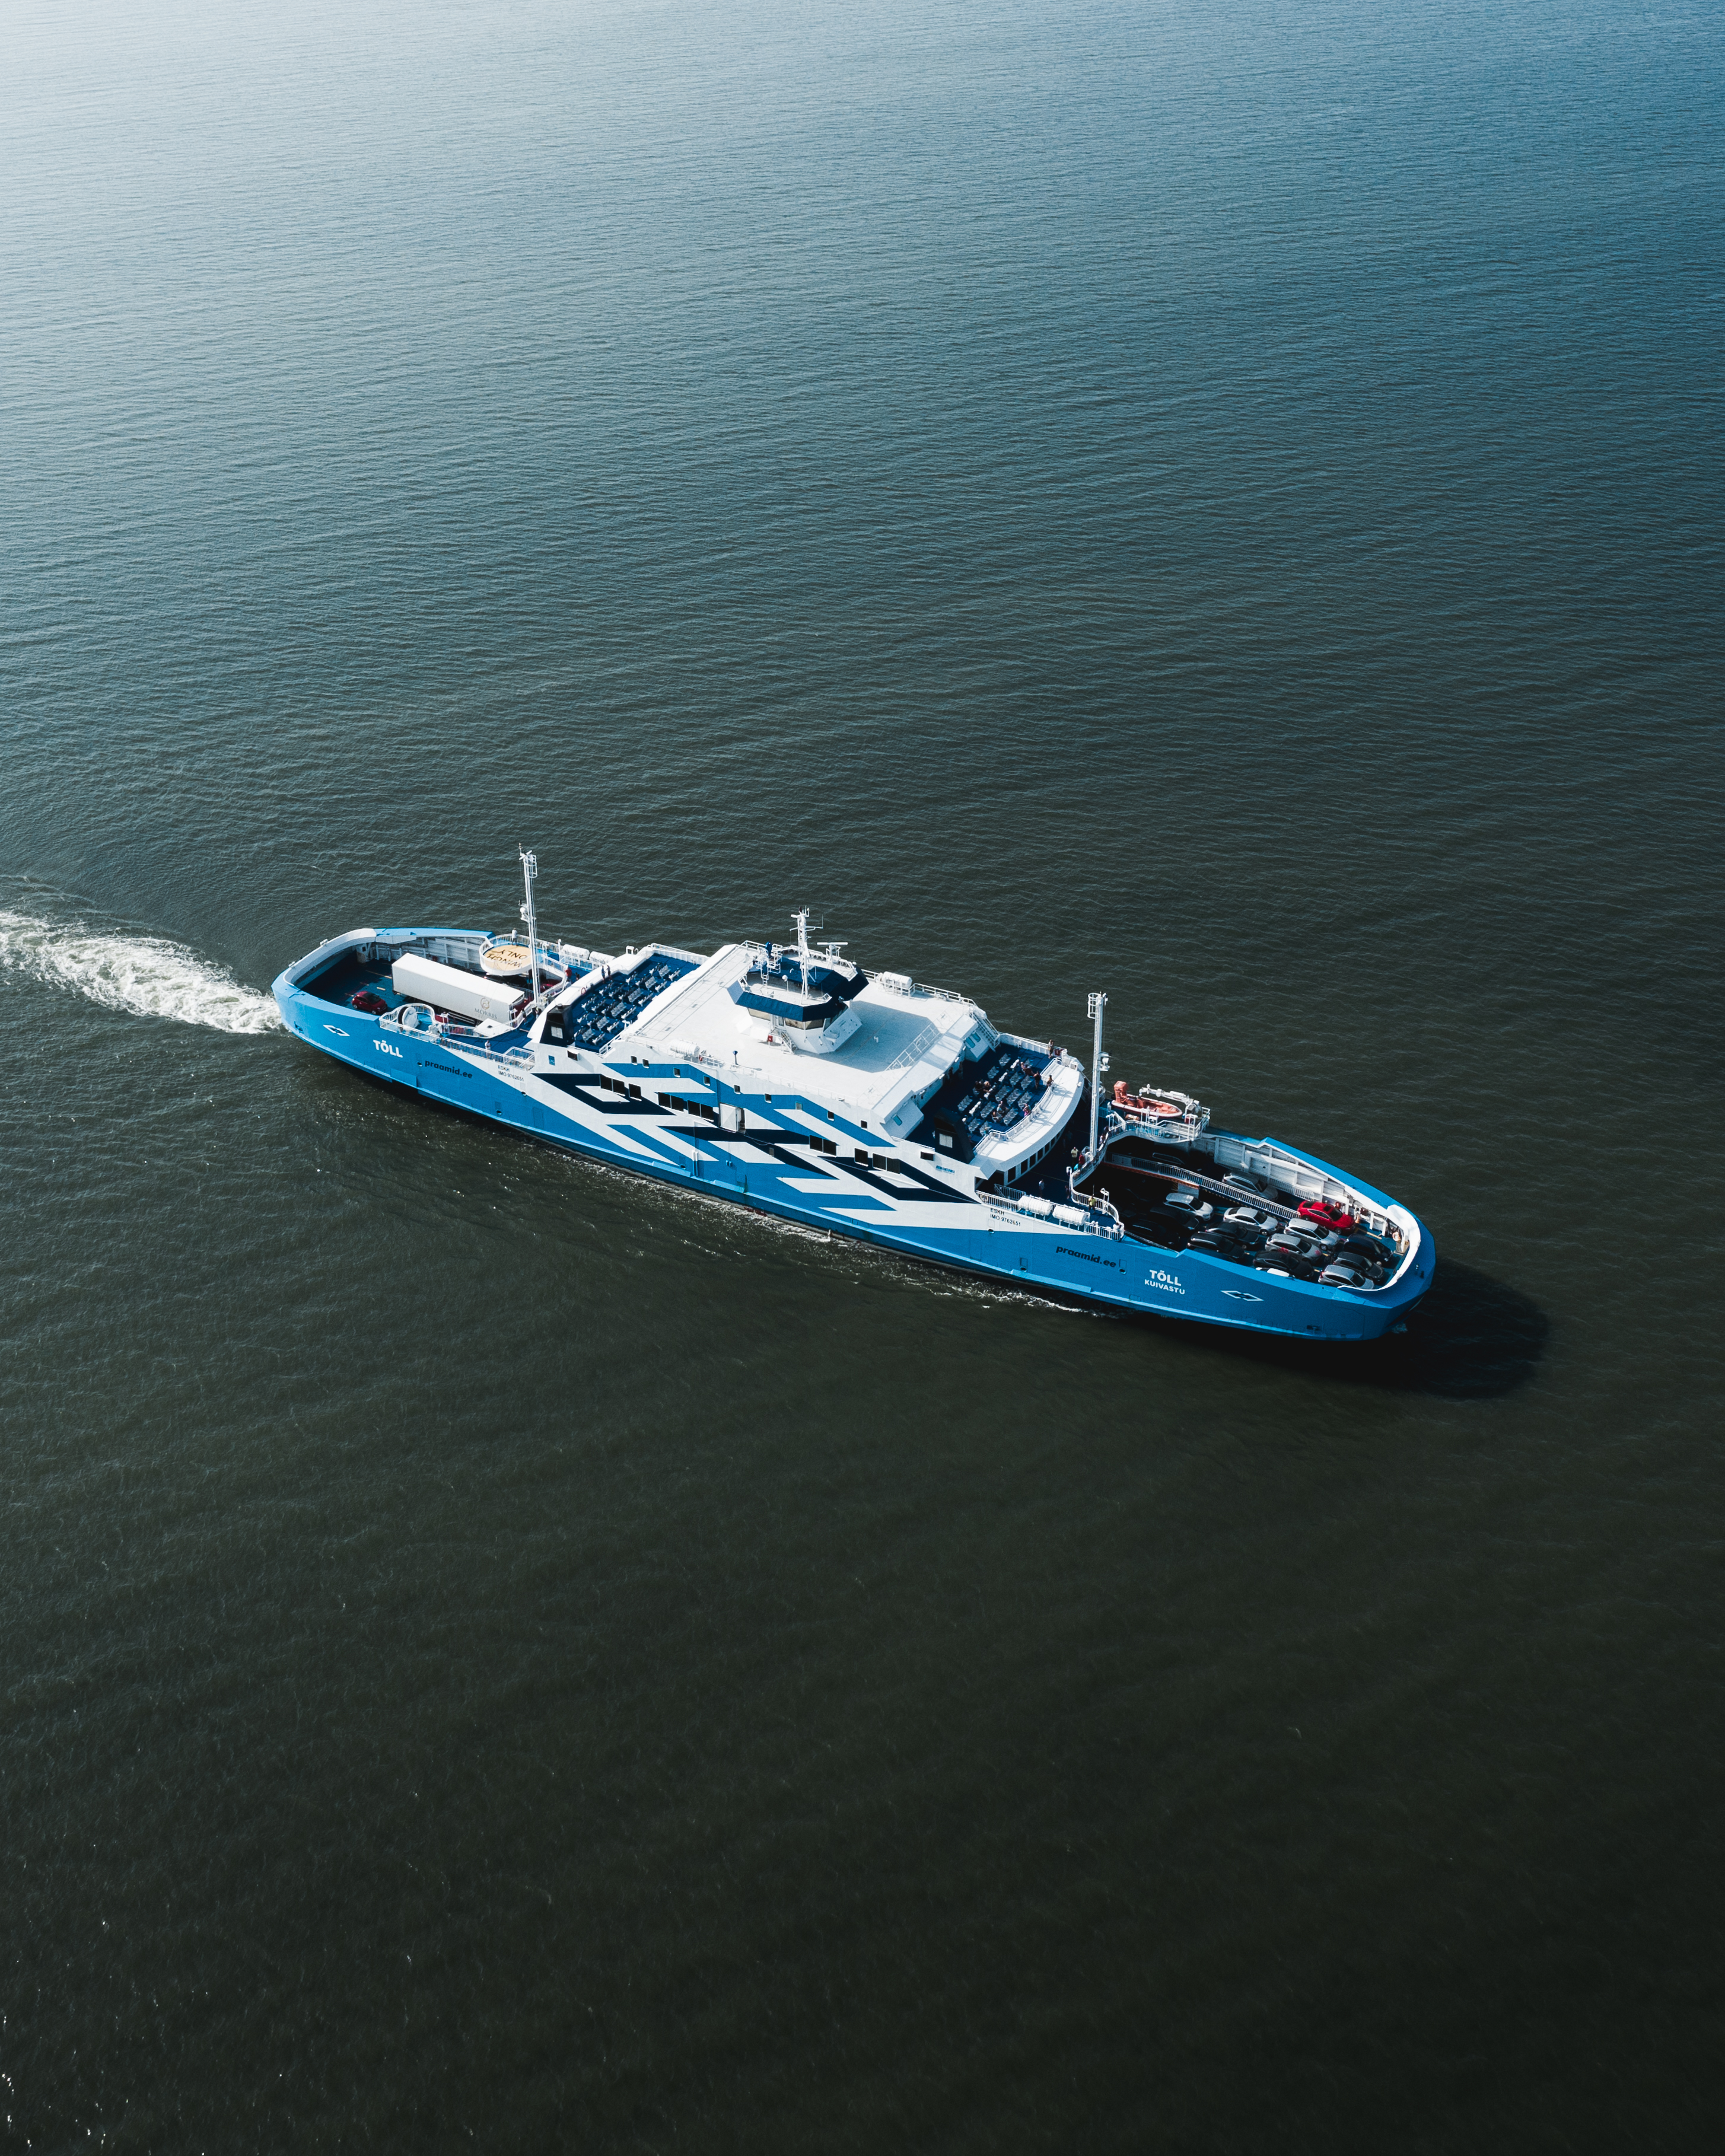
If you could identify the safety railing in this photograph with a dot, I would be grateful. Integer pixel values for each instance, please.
(1083, 1216)
(684, 1051)
(1373, 1220)
(418, 1022)
(1167, 1130)
(907, 1056)
(513, 1059)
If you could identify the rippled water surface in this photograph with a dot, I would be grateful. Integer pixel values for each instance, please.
(1223, 507)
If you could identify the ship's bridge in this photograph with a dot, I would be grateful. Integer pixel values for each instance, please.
(785, 989)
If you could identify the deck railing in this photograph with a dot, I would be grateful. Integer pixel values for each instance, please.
(466, 1038)
(1170, 1129)
(1370, 1218)
(907, 1056)
(1100, 1216)
(472, 1043)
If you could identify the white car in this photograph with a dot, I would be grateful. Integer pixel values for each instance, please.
(1192, 1203)
(1251, 1216)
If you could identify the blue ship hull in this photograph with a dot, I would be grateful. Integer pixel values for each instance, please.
(828, 1174)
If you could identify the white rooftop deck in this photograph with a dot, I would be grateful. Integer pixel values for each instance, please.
(904, 1044)
(908, 1039)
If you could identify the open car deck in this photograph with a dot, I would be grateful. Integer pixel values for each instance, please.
(352, 974)
(1183, 1198)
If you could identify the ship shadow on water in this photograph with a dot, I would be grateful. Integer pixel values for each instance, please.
(1472, 1339)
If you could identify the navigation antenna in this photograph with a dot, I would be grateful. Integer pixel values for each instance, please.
(802, 950)
(530, 869)
(1098, 1064)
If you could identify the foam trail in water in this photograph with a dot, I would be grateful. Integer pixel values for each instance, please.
(141, 974)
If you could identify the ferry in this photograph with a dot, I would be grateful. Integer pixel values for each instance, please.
(789, 1078)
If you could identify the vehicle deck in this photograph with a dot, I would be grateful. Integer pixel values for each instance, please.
(345, 976)
(1139, 1177)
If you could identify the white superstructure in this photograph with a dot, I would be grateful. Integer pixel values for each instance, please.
(899, 1042)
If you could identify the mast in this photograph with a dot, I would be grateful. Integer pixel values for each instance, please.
(1098, 1064)
(802, 950)
(530, 869)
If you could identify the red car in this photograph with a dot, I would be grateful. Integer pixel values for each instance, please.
(1326, 1215)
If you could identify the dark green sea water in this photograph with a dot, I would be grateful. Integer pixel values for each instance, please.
(1221, 505)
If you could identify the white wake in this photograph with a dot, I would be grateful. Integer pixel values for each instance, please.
(142, 973)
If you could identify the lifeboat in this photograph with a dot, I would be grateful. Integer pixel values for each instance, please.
(1145, 1107)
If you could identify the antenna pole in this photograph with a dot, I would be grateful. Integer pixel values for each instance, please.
(802, 945)
(1098, 1064)
(530, 869)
